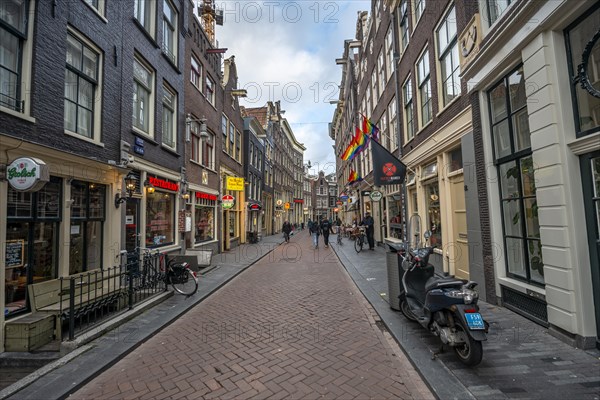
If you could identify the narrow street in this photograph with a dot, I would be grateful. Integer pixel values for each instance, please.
(291, 326)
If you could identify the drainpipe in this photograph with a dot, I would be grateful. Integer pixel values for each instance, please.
(400, 137)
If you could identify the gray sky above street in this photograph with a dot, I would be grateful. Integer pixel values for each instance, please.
(286, 50)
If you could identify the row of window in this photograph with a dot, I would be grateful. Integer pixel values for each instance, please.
(232, 139)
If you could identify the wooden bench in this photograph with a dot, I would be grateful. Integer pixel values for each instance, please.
(93, 290)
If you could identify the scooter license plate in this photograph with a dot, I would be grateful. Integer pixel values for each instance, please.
(474, 321)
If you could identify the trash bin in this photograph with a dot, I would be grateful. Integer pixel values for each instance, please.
(251, 236)
(394, 274)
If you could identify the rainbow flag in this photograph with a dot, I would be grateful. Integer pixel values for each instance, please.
(370, 128)
(347, 154)
(353, 178)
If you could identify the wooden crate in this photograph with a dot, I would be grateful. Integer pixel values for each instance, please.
(29, 333)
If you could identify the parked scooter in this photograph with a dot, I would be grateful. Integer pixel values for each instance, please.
(445, 306)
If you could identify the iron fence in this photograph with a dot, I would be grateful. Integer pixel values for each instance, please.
(91, 298)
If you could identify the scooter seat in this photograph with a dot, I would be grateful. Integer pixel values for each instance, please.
(438, 283)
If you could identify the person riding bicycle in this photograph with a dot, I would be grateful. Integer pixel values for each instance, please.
(286, 229)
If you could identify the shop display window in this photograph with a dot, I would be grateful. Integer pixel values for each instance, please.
(87, 221)
(31, 242)
(205, 222)
(160, 219)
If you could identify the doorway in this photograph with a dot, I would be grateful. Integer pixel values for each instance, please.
(459, 255)
(590, 175)
(132, 224)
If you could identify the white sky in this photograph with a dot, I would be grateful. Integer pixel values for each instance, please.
(286, 50)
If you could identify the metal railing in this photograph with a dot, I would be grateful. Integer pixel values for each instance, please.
(90, 298)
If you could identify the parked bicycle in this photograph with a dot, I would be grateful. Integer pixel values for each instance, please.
(339, 236)
(361, 237)
(179, 275)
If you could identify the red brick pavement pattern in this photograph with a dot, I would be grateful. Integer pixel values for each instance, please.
(293, 326)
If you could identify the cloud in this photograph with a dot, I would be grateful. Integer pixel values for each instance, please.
(286, 50)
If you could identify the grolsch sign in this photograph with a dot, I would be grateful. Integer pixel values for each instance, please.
(27, 174)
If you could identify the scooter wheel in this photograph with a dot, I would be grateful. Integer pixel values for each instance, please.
(404, 307)
(470, 352)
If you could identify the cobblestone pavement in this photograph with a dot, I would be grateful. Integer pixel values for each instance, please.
(291, 326)
(521, 360)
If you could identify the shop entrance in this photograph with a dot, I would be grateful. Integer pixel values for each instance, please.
(590, 174)
(459, 253)
(132, 224)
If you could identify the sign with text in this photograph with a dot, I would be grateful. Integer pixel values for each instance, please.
(228, 201)
(15, 250)
(27, 174)
(161, 183)
(234, 183)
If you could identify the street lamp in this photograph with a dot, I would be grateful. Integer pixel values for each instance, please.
(203, 130)
(130, 184)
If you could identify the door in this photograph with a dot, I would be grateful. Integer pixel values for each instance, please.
(590, 174)
(459, 251)
(132, 224)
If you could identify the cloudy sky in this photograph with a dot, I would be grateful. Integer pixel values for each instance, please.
(286, 50)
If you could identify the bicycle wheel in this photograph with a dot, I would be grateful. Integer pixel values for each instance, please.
(358, 244)
(339, 238)
(183, 280)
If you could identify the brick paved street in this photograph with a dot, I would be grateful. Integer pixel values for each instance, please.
(291, 326)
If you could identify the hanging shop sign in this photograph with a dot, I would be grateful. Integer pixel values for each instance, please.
(163, 184)
(206, 196)
(234, 183)
(300, 201)
(254, 206)
(287, 206)
(279, 203)
(376, 195)
(27, 174)
(228, 201)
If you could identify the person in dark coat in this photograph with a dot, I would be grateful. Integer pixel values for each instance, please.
(369, 223)
(286, 229)
(325, 229)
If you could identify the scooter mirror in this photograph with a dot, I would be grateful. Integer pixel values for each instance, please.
(427, 234)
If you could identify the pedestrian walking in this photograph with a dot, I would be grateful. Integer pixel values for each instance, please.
(325, 229)
(314, 231)
(369, 225)
(286, 229)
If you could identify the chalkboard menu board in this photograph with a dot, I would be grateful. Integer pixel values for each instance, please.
(15, 250)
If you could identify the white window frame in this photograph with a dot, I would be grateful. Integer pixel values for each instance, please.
(493, 5)
(402, 21)
(196, 72)
(423, 70)
(382, 78)
(170, 25)
(408, 108)
(148, 19)
(96, 99)
(169, 105)
(393, 121)
(99, 7)
(209, 91)
(151, 97)
(447, 46)
(389, 46)
(24, 63)
(418, 10)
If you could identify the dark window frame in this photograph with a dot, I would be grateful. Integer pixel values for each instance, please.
(516, 157)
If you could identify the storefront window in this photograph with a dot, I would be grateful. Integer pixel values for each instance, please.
(518, 201)
(434, 215)
(87, 219)
(160, 219)
(205, 220)
(232, 223)
(31, 241)
(584, 67)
